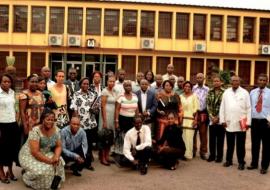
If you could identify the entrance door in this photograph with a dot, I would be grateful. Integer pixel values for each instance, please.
(77, 66)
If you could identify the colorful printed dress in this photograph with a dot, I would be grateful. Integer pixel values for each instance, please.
(39, 175)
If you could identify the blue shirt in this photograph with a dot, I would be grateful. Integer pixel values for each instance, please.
(254, 94)
(71, 142)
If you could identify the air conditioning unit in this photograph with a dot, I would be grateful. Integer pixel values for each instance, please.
(147, 43)
(265, 50)
(199, 47)
(91, 43)
(55, 40)
(74, 40)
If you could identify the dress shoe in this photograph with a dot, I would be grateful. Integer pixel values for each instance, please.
(227, 164)
(263, 171)
(218, 160)
(203, 157)
(210, 159)
(241, 166)
(252, 167)
(143, 169)
(76, 173)
(90, 168)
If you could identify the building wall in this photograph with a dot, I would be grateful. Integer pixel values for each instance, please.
(122, 45)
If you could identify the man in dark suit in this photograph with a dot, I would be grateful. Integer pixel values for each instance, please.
(72, 82)
(147, 104)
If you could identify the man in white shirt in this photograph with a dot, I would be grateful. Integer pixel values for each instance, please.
(137, 145)
(156, 86)
(136, 84)
(46, 73)
(170, 69)
(235, 108)
(121, 75)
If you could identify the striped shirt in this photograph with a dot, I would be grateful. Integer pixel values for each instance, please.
(128, 107)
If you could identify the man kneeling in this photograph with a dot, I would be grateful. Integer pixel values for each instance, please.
(137, 145)
(74, 145)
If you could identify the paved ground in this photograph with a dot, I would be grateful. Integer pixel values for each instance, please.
(191, 175)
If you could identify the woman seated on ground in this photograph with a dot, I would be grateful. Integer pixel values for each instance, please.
(171, 144)
(40, 155)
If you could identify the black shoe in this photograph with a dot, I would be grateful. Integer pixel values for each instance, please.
(203, 157)
(184, 158)
(251, 167)
(227, 164)
(218, 160)
(76, 173)
(194, 154)
(143, 169)
(263, 171)
(90, 168)
(241, 166)
(210, 159)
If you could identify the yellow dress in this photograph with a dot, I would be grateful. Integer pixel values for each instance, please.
(190, 105)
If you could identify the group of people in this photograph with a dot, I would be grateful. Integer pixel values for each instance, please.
(50, 126)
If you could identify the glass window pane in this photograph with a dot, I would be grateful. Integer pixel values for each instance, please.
(111, 23)
(75, 18)
(182, 25)
(264, 30)
(248, 30)
(162, 63)
(196, 67)
(4, 18)
(57, 20)
(260, 67)
(199, 27)
(145, 63)
(147, 24)
(180, 66)
(129, 65)
(37, 62)
(38, 19)
(216, 27)
(165, 25)
(244, 72)
(20, 19)
(129, 23)
(232, 28)
(93, 21)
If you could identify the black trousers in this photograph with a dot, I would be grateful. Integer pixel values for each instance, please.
(91, 135)
(240, 138)
(260, 132)
(76, 166)
(170, 155)
(216, 141)
(144, 155)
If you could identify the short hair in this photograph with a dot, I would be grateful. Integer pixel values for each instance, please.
(40, 78)
(72, 69)
(8, 76)
(31, 76)
(83, 79)
(59, 71)
(96, 72)
(188, 82)
(137, 116)
(263, 75)
(167, 81)
(46, 112)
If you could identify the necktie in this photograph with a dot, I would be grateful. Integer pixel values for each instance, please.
(138, 142)
(259, 103)
(72, 86)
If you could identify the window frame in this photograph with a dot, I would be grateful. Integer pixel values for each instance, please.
(97, 32)
(179, 29)
(4, 18)
(32, 20)
(114, 33)
(196, 23)
(252, 29)
(62, 27)
(15, 18)
(236, 28)
(133, 32)
(78, 22)
(162, 33)
(213, 29)
(150, 34)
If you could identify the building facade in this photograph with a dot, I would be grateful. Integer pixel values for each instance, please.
(107, 35)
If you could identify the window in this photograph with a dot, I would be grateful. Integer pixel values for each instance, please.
(75, 19)
(57, 15)
(260, 67)
(93, 21)
(145, 63)
(38, 19)
(180, 66)
(199, 27)
(162, 63)
(3, 55)
(216, 27)
(212, 69)
(20, 19)
(182, 25)
(165, 25)
(129, 65)
(232, 28)
(129, 23)
(264, 30)
(244, 72)
(37, 62)
(248, 31)
(111, 23)
(229, 65)
(21, 64)
(195, 68)
(4, 18)
(147, 24)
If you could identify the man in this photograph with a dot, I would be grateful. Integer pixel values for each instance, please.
(179, 88)
(74, 145)
(121, 74)
(235, 116)
(172, 80)
(216, 131)
(156, 86)
(72, 82)
(147, 104)
(260, 131)
(137, 145)
(136, 84)
(170, 69)
(46, 73)
(202, 117)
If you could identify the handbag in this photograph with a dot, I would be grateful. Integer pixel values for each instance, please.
(56, 180)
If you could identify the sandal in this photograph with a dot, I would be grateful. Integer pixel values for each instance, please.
(11, 177)
(5, 180)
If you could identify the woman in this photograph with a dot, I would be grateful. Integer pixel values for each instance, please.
(108, 99)
(96, 86)
(47, 94)
(85, 105)
(168, 102)
(172, 146)
(60, 95)
(8, 129)
(190, 105)
(149, 76)
(31, 103)
(40, 155)
(125, 109)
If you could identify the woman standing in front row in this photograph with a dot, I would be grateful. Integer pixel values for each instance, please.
(8, 129)
(86, 104)
(190, 103)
